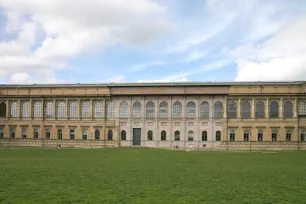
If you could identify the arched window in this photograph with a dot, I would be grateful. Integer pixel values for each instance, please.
(59, 134)
(61, 109)
(97, 134)
(35, 133)
(163, 110)
(150, 110)
(204, 109)
(123, 110)
(24, 133)
(260, 109)
(190, 135)
(48, 134)
(49, 109)
(84, 135)
(110, 110)
(218, 136)
(37, 113)
(288, 109)
(150, 135)
(2, 109)
(204, 136)
(177, 135)
(123, 135)
(73, 109)
(191, 109)
(137, 110)
(218, 109)
(232, 109)
(26, 109)
(14, 110)
(274, 109)
(85, 110)
(72, 134)
(246, 110)
(163, 135)
(110, 135)
(177, 110)
(98, 109)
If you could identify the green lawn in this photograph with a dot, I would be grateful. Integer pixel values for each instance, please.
(140, 175)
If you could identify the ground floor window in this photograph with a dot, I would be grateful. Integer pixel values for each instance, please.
(48, 134)
(1, 133)
(177, 135)
(218, 136)
(59, 134)
(72, 134)
(12, 133)
(35, 133)
(190, 136)
(204, 136)
(163, 135)
(84, 135)
(110, 135)
(24, 133)
(260, 136)
(150, 135)
(288, 136)
(97, 134)
(232, 136)
(123, 135)
(246, 136)
(303, 137)
(274, 136)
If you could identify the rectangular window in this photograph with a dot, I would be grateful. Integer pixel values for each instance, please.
(1, 133)
(302, 108)
(260, 136)
(274, 136)
(48, 134)
(35, 133)
(23, 133)
(232, 136)
(12, 133)
(288, 136)
(246, 136)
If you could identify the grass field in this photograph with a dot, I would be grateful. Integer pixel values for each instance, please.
(140, 175)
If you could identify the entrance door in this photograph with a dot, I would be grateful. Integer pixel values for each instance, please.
(136, 136)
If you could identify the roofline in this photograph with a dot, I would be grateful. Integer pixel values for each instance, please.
(158, 84)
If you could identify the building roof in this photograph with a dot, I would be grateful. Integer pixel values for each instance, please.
(164, 84)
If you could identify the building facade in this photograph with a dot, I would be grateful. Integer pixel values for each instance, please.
(234, 115)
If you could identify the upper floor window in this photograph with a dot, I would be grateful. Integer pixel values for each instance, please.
(260, 109)
(150, 110)
(14, 110)
(163, 109)
(232, 109)
(61, 109)
(110, 110)
(98, 109)
(37, 113)
(2, 109)
(191, 109)
(137, 110)
(288, 109)
(218, 109)
(246, 110)
(85, 110)
(26, 109)
(49, 109)
(204, 109)
(124, 110)
(73, 109)
(302, 108)
(274, 109)
(177, 110)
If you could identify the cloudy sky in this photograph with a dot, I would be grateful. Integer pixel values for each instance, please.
(97, 41)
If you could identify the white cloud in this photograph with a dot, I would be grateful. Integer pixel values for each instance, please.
(72, 28)
(282, 57)
(20, 78)
(117, 79)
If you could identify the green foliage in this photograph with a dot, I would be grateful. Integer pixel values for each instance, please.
(141, 175)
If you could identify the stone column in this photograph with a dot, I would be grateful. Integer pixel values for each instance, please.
(253, 109)
(54, 109)
(281, 109)
(224, 108)
(19, 109)
(8, 108)
(267, 108)
(295, 108)
(239, 108)
(67, 109)
(79, 108)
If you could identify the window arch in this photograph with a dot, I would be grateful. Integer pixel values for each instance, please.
(204, 109)
(218, 136)
(37, 109)
(190, 135)
(98, 109)
(260, 109)
(232, 109)
(26, 109)
(14, 110)
(163, 135)
(137, 110)
(59, 134)
(163, 109)
(73, 109)
(274, 109)
(84, 135)
(150, 110)
(72, 134)
(85, 110)
(123, 135)
(191, 109)
(110, 135)
(97, 134)
(49, 109)
(61, 109)
(177, 110)
(246, 110)
(204, 135)
(110, 110)
(218, 109)
(150, 135)
(288, 109)
(177, 135)
(2, 109)
(123, 110)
